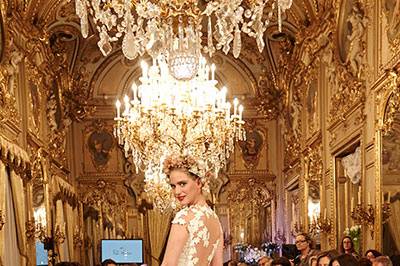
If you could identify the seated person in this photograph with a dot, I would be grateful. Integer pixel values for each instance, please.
(282, 261)
(108, 262)
(264, 261)
(382, 261)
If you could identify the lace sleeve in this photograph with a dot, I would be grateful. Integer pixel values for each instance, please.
(180, 217)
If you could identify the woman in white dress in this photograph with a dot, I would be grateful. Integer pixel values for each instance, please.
(196, 237)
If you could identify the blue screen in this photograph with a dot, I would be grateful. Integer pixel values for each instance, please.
(122, 251)
(41, 254)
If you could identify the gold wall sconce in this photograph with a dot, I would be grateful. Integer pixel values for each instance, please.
(2, 220)
(78, 238)
(323, 225)
(296, 229)
(386, 212)
(364, 216)
(59, 234)
(386, 209)
(35, 230)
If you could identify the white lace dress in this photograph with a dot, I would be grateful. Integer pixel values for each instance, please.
(204, 233)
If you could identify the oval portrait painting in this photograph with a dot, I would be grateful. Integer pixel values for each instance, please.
(100, 144)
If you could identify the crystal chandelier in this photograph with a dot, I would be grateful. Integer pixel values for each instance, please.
(175, 27)
(158, 189)
(167, 116)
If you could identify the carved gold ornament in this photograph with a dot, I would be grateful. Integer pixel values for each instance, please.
(251, 191)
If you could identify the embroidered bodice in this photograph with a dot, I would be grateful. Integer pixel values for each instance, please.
(204, 233)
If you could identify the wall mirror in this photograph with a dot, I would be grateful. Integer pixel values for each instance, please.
(348, 185)
(390, 178)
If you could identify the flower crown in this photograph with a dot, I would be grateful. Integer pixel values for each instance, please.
(193, 166)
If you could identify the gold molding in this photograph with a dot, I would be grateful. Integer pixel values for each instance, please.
(390, 84)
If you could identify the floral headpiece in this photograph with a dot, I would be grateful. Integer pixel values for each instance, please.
(194, 166)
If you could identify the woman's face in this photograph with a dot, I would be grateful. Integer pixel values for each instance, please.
(324, 261)
(335, 263)
(346, 244)
(301, 242)
(370, 256)
(186, 190)
(313, 262)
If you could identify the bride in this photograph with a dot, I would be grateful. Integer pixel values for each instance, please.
(196, 237)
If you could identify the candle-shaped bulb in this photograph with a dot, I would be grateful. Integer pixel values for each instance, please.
(352, 204)
(240, 112)
(126, 101)
(134, 91)
(223, 92)
(388, 199)
(235, 105)
(228, 110)
(369, 198)
(118, 105)
(212, 72)
(145, 68)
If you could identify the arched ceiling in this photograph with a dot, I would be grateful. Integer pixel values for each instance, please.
(106, 78)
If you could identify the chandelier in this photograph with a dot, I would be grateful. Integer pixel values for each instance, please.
(175, 27)
(166, 116)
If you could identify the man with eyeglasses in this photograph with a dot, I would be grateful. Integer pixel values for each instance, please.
(304, 245)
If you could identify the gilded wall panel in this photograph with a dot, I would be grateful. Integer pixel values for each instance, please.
(349, 60)
(252, 205)
(34, 87)
(11, 57)
(391, 9)
(312, 105)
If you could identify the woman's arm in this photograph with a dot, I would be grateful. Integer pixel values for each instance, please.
(218, 259)
(176, 241)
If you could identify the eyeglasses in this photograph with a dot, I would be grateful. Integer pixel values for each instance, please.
(300, 241)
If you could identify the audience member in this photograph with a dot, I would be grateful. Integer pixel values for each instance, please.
(313, 260)
(324, 258)
(364, 262)
(108, 262)
(371, 254)
(395, 260)
(344, 260)
(347, 247)
(305, 245)
(382, 261)
(264, 261)
(281, 261)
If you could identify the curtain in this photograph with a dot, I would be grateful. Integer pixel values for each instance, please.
(62, 248)
(12, 255)
(12, 202)
(159, 225)
(69, 234)
(394, 222)
(18, 196)
(89, 244)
